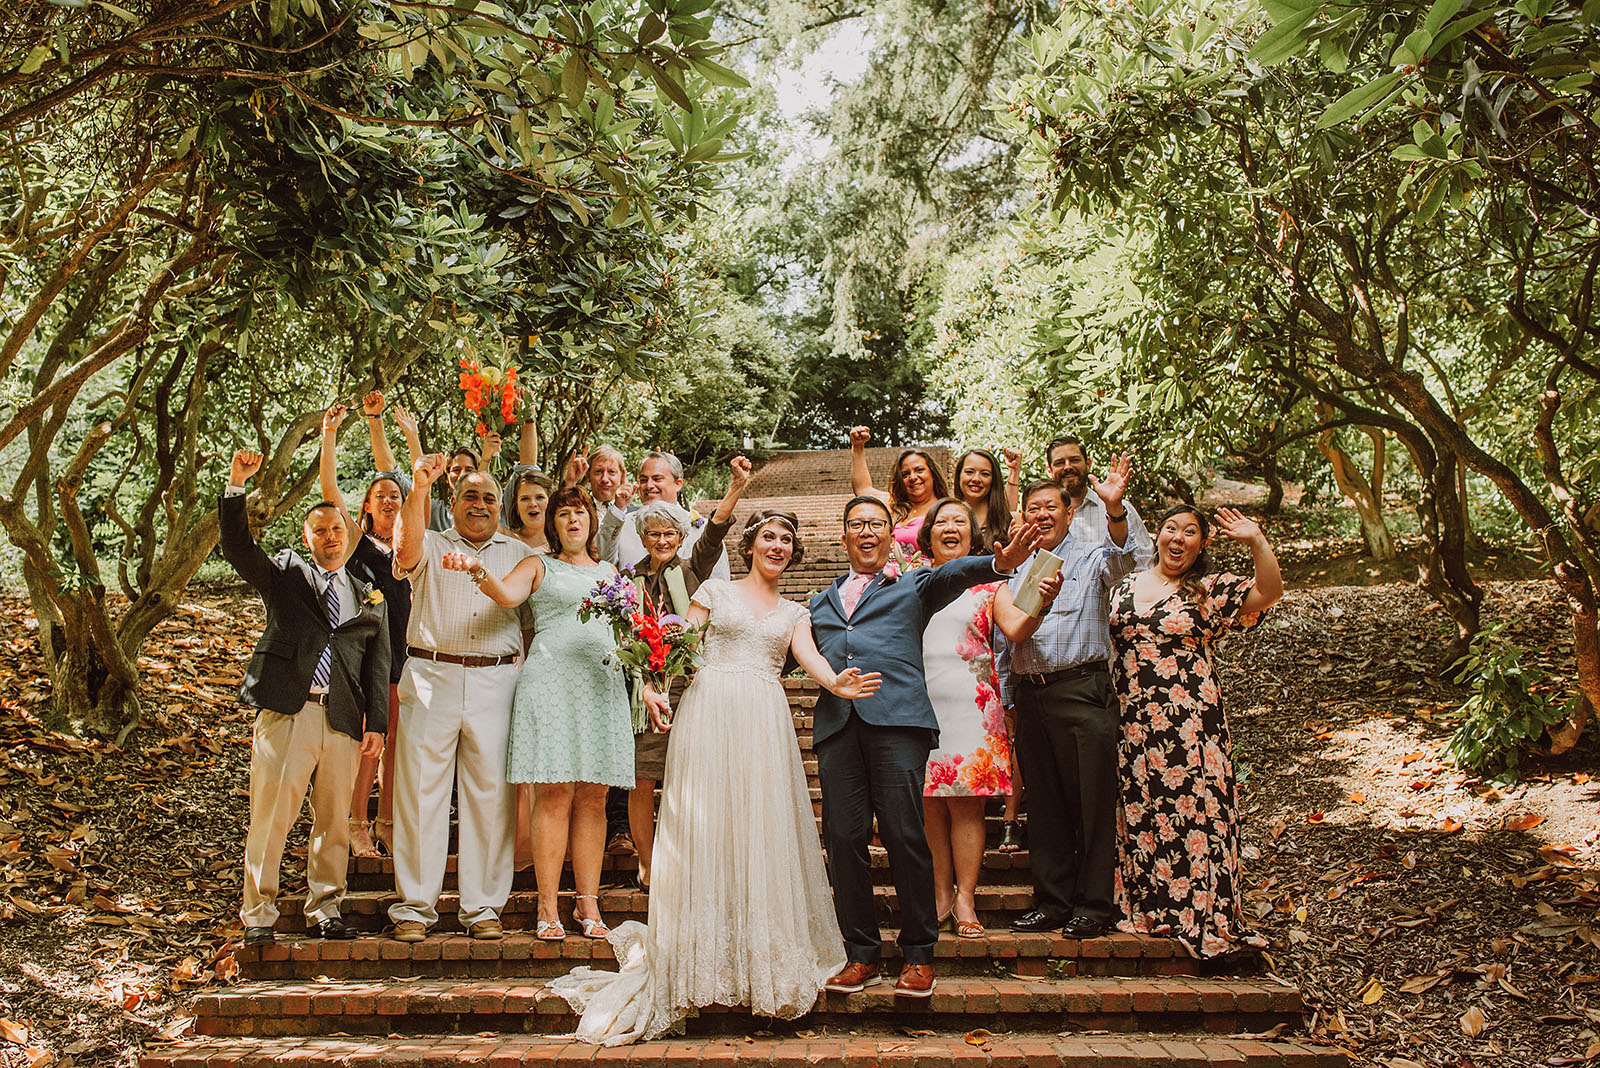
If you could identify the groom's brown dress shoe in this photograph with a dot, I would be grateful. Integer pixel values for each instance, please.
(916, 981)
(855, 978)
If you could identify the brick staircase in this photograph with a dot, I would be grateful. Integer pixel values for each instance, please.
(1003, 1001)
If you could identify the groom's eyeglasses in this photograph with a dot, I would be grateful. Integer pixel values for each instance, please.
(856, 526)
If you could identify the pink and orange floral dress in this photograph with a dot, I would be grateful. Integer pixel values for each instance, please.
(1177, 840)
(973, 757)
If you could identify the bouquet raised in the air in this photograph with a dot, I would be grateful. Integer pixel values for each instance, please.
(647, 640)
(489, 391)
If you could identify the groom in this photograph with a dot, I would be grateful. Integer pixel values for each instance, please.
(872, 753)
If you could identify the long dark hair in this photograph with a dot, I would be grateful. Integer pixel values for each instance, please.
(569, 497)
(997, 522)
(1189, 581)
(899, 503)
(925, 534)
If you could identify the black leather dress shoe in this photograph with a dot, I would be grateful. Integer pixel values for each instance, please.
(334, 928)
(258, 936)
(1084, 927)
(1036, 920)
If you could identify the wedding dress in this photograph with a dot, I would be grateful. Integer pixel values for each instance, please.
(740, 909)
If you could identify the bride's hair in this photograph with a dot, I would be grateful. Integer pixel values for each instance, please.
(760, 518)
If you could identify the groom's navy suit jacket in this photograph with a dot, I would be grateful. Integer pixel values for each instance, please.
(884, 634)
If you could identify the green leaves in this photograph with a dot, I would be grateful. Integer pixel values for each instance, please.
(1286, 38)
(1359, 101)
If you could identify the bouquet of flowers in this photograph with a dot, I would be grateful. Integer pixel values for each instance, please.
(488, 390)
(647, 640)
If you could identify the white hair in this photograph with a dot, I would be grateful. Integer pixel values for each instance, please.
(662, 512)
(673, 463)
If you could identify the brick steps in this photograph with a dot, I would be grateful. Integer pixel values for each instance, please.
(377, 873)
(521, 954)
(433, 1006)
(1020, 1049)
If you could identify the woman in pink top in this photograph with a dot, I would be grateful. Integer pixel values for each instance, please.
(916, 483)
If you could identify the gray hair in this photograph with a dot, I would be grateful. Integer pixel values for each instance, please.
(662, 512)
(461, 484)
(608, 452)
(673, 463)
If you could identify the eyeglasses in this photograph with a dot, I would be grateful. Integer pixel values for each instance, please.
(856, 526)
(662, 535)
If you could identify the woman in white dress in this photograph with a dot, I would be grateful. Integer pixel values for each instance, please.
(973, 761)
(740, 908)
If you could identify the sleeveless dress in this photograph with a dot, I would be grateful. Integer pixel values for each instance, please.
(974, 754)
(570, 720)
(1177, 837)
(740, 908)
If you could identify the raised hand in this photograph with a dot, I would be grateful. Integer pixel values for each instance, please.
(740, 466)
(426, 471)
(1013, 460)
(491, 445)
(403, 419)
(852, 685)
(1024, 540)
(859, 436)
(333, 418)
(372, 403)
(1115, 484)
(625, 494)
(1238, 526)
(457, 561)
(246, 463)
(577, 470)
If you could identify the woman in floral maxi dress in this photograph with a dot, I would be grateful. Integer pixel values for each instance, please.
(1177, 842)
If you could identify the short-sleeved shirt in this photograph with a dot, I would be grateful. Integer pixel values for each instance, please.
(1073, 631)
(449, 614)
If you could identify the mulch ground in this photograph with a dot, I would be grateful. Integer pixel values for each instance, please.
(1430, 917)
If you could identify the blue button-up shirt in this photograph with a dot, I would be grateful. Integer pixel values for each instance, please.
(1075, 630)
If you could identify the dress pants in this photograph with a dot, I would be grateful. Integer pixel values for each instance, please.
(287, 755)
(865, 771)
(454, 725)
(1067, 739)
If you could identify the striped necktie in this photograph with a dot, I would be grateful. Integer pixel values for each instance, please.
(330, 598)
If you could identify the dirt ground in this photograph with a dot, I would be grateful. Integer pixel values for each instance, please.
(1430, 917)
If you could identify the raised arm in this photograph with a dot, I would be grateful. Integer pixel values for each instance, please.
(528, 444)
(508, 592)
(372, 406)
(239, 548)
(860, 476)
(739, 478)
(408, 427)
(1269, 579)
(413, 521)
(1013, 478)
(327, 461)
(850, 683)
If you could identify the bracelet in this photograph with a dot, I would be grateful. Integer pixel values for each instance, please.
(479, 575)
(1118, 518)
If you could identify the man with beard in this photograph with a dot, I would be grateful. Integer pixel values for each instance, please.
(1069, 466)
(455, 710)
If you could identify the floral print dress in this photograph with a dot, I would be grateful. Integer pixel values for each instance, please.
(1177, 842)
(974, 754)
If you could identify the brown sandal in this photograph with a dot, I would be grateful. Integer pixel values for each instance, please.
(969, 929)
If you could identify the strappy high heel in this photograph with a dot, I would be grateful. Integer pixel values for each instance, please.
(549, 931)
(592, 928)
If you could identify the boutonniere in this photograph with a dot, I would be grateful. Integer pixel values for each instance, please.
(695, 518)
(374, 596)
(890, 573)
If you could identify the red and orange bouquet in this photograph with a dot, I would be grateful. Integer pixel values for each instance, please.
(489, 390)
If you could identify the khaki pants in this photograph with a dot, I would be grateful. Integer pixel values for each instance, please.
(288, 754)
(455, 723)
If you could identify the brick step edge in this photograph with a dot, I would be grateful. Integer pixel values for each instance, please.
(1012, 1050)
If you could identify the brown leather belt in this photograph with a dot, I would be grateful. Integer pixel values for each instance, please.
(465, 661)
(1093, 667)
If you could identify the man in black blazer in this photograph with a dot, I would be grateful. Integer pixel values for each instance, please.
(320, 677)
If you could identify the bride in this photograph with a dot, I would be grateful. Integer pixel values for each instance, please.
(740, 909)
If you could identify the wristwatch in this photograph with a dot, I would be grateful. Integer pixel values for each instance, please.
(1119, 517)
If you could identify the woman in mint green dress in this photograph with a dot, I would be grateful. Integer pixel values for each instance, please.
(571, 726)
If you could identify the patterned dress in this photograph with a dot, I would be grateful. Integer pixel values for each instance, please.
(570, 720)
(974, 754)
(1177, 843)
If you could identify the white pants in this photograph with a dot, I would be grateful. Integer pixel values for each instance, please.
(455, 722)
(288, 754)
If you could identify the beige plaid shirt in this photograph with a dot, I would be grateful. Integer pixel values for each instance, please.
(449, 614)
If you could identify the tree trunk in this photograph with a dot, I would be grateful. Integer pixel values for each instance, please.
(1269, 474)
(1367, 496)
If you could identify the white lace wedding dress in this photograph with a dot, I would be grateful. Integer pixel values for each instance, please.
(740, 910)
